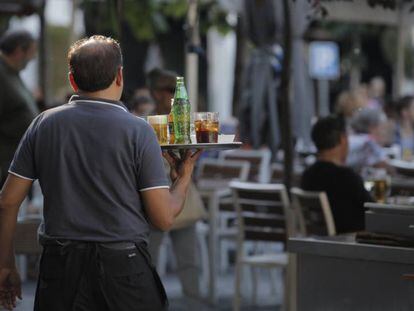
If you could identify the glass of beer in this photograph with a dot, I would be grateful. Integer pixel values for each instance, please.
(381, 186)
(160, 125)
(206, 126)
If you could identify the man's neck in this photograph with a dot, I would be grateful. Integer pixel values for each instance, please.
(104, 94)
(332, 156)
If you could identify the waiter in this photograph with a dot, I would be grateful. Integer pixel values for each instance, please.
(17, 105)
(101, 173)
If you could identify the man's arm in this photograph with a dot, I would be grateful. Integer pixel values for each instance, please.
(163, 205)
(12, 195)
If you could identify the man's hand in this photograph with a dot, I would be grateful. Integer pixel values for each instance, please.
(181, 167)
(10, 288)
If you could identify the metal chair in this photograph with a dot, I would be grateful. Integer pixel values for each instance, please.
(403, 168)
(313, 212)
(26, 243)
(263, 215)
(277, 173)
(259, 162)
(402, 186)
(213, 177)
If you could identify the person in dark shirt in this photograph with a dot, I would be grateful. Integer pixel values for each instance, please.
(17, 105)
(344, 188)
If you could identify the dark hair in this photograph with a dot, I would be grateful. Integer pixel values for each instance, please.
(404, 103)
(160, 79)
(327, 132)
(12, 40)
(94, 62)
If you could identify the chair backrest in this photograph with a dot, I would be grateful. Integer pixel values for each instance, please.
(313, 212)
(25, 241)
(403, 168)
(259, 162)
(402, 187)
(262, 211)
(277, 173)
(216, 173)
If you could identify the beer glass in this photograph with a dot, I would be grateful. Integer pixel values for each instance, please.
(160, 125)
(206, 127)
(381, 186)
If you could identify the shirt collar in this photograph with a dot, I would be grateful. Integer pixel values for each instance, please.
(103, 101)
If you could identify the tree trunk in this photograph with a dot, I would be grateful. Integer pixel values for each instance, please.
(286, 128)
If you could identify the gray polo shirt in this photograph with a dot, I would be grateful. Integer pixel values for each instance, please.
(93, 159)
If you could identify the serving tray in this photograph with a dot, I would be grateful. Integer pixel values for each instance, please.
(209, 146)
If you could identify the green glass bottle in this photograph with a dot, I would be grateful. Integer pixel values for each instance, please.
(181, 113)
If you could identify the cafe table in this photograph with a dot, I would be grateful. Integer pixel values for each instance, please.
(337, 273)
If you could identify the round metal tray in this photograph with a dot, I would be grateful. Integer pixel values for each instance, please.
(211, 146)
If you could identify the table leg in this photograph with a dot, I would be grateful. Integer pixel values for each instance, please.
(212, 209)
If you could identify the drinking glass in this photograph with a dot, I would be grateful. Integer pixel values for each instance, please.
(206, 127)
(160, 125)
(380, 183)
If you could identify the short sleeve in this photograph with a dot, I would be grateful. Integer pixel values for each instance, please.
(23, 164)
(151, 173)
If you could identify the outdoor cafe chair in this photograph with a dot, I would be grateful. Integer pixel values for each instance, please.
(259, 162)
(277, 173)
(402, 168)
(26, 243)
(402, 187)
(263, 215)
(213, 177)
(312, 212)
(216, 174)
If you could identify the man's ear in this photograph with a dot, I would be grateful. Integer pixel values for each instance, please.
(119, 80)
(72, 82)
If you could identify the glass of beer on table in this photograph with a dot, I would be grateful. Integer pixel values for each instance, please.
(160, 125)
(206, 126)
(381, 185)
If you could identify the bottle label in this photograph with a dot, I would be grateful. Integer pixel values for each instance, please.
(182, 116)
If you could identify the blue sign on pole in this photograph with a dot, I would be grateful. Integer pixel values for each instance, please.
(324, 60)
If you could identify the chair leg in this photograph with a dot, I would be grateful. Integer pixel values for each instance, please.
(255, 284)
(162, 257)
(22, 267)
(203, 250)
(273, 275)
(290, 285)
(237, 287)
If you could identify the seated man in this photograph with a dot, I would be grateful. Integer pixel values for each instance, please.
(345, 188)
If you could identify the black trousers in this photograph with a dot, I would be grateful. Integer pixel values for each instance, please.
(92, 277)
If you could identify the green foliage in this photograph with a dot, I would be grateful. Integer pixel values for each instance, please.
(57, 46)
(101, 17)
(148, 18)
(176, 9)
(214, 16)
(4, 22)
(318, 7)
(143, 19)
